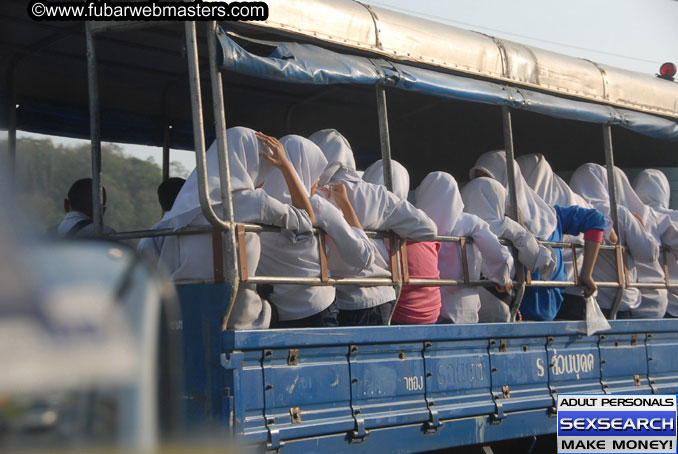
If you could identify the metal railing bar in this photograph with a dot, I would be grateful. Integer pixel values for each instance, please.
(259, 228)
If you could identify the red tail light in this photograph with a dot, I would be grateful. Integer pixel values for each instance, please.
(667, 71)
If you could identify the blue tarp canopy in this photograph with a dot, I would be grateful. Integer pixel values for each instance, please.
(309, 64)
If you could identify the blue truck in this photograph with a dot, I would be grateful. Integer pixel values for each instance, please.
(397, 86)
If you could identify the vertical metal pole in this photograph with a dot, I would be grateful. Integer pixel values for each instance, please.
(510, 163)
(611, 182)
(513, 209)
(166, 138)
(224, 170)
(384, 137)
(385, 140)
(95, 132)
(612, 192)
(219, 122)
(198, 126)
(11, 126)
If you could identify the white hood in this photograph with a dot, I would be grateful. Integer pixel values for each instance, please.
(539, 217)
(653, 188)
(308, 161)
(439, 197)
(338, 153)
(246, 167)
(540, 177)
(399, 174)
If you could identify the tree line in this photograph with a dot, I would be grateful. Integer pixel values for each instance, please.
(45, 172)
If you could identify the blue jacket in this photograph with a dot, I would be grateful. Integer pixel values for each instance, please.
(540, 303)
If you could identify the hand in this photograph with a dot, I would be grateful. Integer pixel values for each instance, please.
(504, 288)
(338, 190)
(590, 286)
(613, 237)
(637, 216)
(277, 157)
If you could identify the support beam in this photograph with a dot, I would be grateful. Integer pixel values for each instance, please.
(384, 137)
(612, 191)
(385, 141)
(95, 132)
(198, 128)
(233, 268)
(513, 209)
(166, 139)
(510, 163)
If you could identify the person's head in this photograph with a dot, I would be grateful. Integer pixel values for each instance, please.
(439, 197)
(653, 188)
(400, 177)
(168, 191)
(334, 146)
(80, 197)
(308, 162)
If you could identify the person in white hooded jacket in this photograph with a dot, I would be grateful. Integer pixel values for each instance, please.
(654, 190)
(438, 196)
(417, 305)
(554, 191)
(301, 306)
(486, 199)
(252, 157)
(663, 230)
(590, 182)
(547, 223)
(376, 209)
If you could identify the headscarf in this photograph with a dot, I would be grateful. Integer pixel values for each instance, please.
(247, 170)
(653, 188)
(439, 197)
(590, 182)
(485, 197)
(627, 197)
(399, 174)
(338, 153)
(539, 217)
(550, 187)
(308, 161)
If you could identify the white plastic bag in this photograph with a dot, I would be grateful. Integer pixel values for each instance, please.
(595, 320)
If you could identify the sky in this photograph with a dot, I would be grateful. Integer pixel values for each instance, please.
(638, 35)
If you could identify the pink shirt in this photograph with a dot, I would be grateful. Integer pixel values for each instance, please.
(420, 305)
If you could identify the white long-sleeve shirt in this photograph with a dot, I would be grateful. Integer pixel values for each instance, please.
(641, 247)
(654, 190)
(486, 256)
(662, 229)
(485, 198)
(150, 248)
(72, 218)
(280, 256)
(189, 257)
(590, 181)
(654, 302)
(377, 209)
(439, 197)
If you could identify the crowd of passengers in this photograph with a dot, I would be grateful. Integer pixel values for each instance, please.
(299, 183)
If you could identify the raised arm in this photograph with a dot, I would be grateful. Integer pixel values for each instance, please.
(355, 249)
(591, 248)
(592, 224)
(279, 159)
(338, 193)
